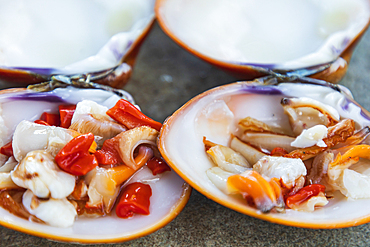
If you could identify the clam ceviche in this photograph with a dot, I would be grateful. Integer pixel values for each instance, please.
(272, 150)
(71, 153)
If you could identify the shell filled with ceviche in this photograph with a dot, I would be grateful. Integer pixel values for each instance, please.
(294, 152)
(83, 165)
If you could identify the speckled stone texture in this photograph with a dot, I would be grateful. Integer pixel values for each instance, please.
(165, 77)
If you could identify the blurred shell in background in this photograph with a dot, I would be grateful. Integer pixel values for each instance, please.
(254, 38)
(39, 39)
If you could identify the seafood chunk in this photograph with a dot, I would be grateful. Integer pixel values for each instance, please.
(310, 205)
(268, 141)
(250, 124)
(91, 117)
(266, 195)
(310, 137)
(226, 158)
(9, 165)
(104, 185)
(305, 113)
(219, 178)
(287, 169)
(352, 184)
(131, 139)
(319, 168)
(55, 212)
(29, 136)
(6, 181)
(336, 134)
(39, 173)
(250, 153)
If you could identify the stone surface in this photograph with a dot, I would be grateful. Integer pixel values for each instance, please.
(165, 77)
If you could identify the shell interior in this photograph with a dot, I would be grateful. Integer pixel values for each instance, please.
(67, 37)
(215, 114)
(283, 35)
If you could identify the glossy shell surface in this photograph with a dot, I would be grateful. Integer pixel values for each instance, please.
(254, 38)
(215, 113)
(41, 39)
(170, 192)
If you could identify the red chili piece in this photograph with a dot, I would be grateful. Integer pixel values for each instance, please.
(66, 114)
(42, 122)
(305, 194)
(128, 115)
(135, 199)
(157, 165)
(7, 149)
(50, 119)
(108, 154)
(278, 151)
(75, 158)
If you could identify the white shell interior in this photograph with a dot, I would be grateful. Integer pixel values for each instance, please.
(168, 189)
(284, 34)
(70, 36)
(215, 115)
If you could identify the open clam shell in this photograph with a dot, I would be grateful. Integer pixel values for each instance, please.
(169, 192)
(255, 38)
(215, 114)
(102, 38)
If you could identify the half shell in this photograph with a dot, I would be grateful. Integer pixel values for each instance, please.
(255, 38)
(170, 193)
(40, 39)
(215, 114)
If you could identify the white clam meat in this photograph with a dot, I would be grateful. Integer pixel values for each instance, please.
(39, 173)
(29, 136)
(90, 117)
(260, 100)
(55, 212)
(286, 169)
(310, 137)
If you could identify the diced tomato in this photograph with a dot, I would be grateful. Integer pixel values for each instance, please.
(66, 114)
(50, 119)
(74, 158)
(157, 165)
(7, 149)
(42, 122)
(305, 194)
(128, 115)
(135, 199)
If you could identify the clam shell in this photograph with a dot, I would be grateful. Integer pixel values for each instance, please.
(170, 192)
(100, 38)
(215, 114)
(245, 37)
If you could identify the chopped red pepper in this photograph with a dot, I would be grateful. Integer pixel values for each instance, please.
(7, 149)
(305, 194)
(66, 114)
(108, 154)
(157, 165)
(75, 158)
(135, 199)
(279, 152)
(50, 119)
(42, 122)
(128, 115)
